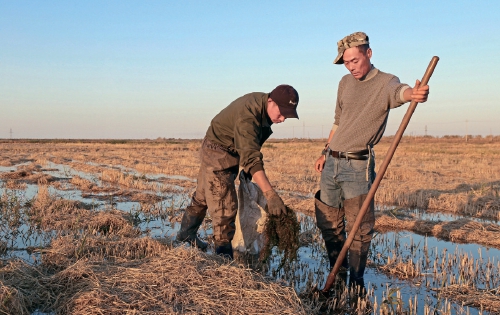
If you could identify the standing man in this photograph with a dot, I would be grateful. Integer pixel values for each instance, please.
(234, 140)
(347, 164)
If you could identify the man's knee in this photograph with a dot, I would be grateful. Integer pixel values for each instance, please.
(327, 217)
(352, 207)
(224, 231)
(198, 207)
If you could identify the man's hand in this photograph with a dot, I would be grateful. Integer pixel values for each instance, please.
(418, 93)
(275, 204)
(320, 164)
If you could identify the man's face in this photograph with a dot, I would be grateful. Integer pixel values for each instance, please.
(356, 62)
(273, 111)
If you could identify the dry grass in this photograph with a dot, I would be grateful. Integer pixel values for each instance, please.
(444, 174)
(49, 212)
(168, 285)
(488, 300)
(12, 301)
(27, 176)
(67, 250)
(165, 281)
(82, 183)
(102, 265)
(403, 269)
(426, 173)
(13, 184)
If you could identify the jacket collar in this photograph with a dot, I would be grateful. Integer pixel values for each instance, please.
(266, 121)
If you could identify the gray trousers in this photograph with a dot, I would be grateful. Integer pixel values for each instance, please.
(215, 192)
(344, 185)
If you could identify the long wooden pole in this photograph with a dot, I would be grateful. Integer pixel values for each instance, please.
(380, 174)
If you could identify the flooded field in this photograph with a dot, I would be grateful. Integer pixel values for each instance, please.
(88, 228)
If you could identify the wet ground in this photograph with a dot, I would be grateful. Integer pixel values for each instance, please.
(404, 269)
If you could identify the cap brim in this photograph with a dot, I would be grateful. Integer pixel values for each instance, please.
(288, 112)
(339, 60)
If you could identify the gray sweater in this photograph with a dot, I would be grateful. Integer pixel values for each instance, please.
(363, 108)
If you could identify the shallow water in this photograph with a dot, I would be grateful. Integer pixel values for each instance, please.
(149, 176)
(431, 216)
(21, 240)
(311, 268)
(439, 216)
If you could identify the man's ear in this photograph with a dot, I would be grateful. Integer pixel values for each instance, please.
(369, 53)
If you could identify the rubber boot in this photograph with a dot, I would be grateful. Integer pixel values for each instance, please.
(224, 250)
(358, 252)
(191, 221)
(357, 264)
(332, 229)
(333, 249)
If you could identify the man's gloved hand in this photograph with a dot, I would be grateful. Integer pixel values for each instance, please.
(275, 204)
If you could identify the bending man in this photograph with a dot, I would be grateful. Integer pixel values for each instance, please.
(234, 140)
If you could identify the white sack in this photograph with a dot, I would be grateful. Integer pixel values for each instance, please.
(251, 217)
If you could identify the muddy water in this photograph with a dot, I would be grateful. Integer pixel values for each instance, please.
(438, 261)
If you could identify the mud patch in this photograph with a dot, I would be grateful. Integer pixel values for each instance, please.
(282, 232)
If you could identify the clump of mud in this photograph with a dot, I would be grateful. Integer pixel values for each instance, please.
(282, 232)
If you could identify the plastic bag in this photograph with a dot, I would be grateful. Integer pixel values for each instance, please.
(251, 218)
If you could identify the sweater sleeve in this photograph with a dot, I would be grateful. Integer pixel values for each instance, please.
(395, 90)
(338, 106)
(246, 143)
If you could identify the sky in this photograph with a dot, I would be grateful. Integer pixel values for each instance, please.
(149, 69)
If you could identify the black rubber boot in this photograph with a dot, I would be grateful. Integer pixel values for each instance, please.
(358, 252)
(191, 221)
(333, 249)
(357, 264)
(224, 250)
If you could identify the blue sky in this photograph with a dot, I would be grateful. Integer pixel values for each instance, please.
(148, 69)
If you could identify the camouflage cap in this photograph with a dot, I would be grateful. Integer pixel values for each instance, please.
(353, 40)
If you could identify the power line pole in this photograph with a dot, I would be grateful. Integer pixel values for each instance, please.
(10, 133)
(466, 130)
(426, 130)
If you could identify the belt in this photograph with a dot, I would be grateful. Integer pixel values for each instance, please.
(358, 155)
(216, 146)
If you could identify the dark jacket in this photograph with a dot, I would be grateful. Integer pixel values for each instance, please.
(242, 128)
